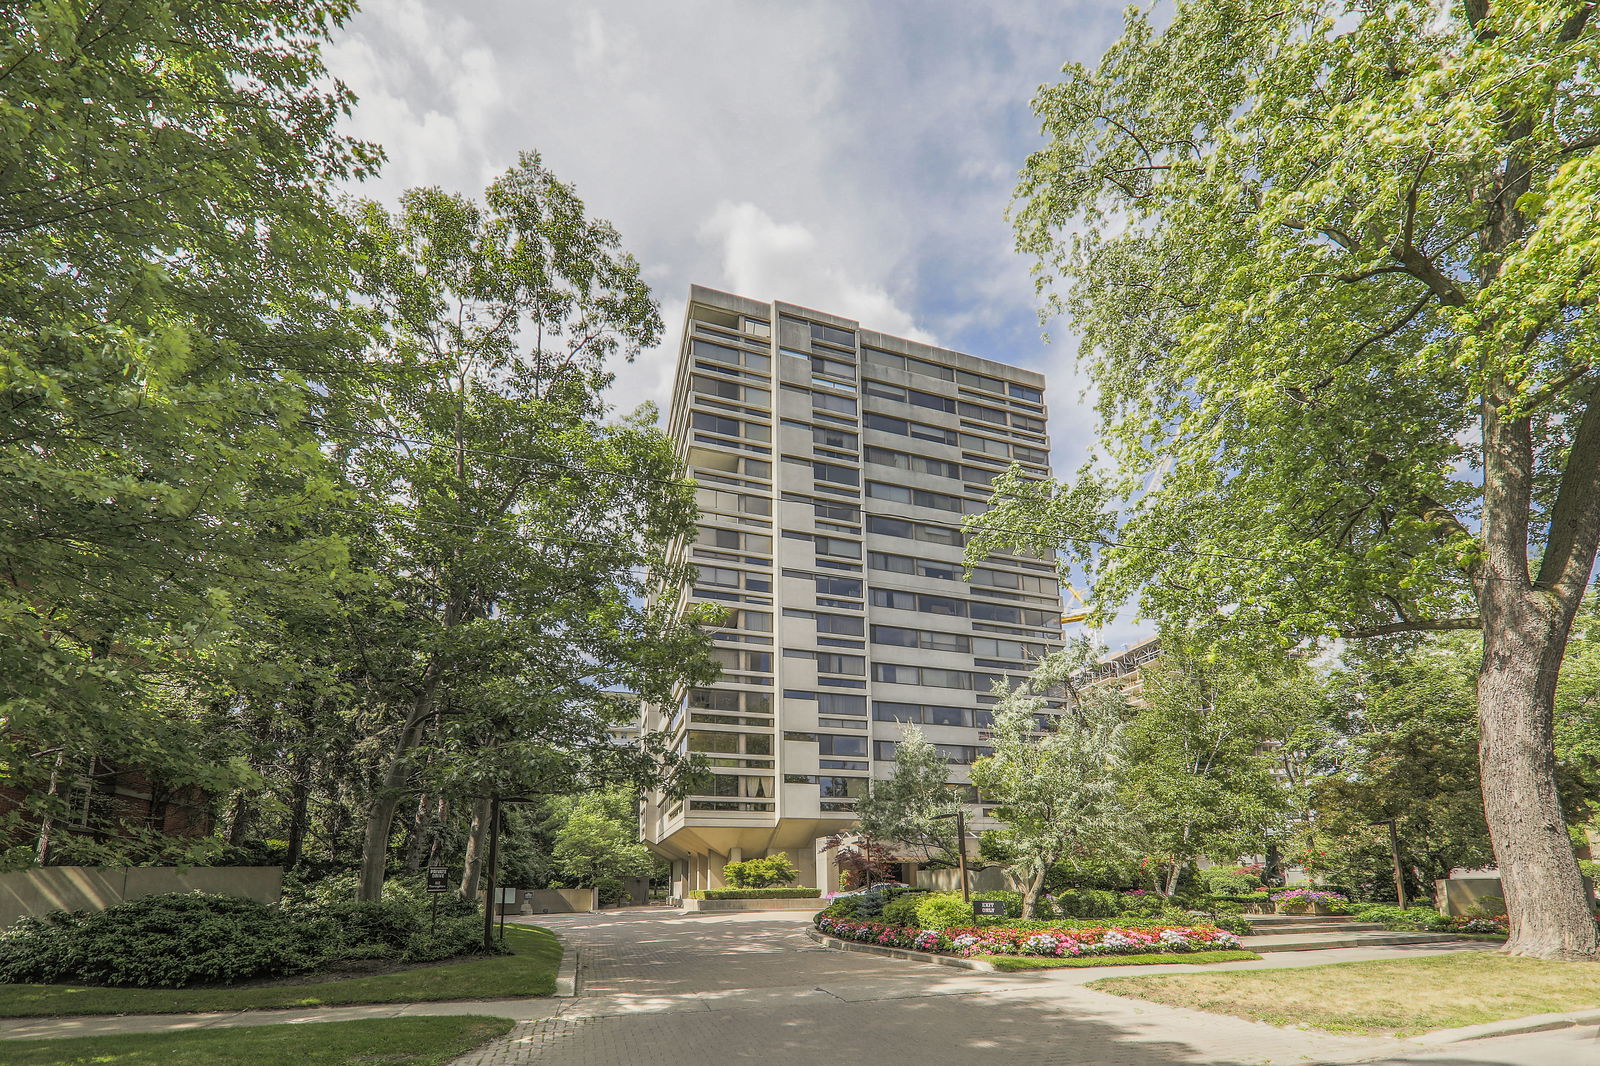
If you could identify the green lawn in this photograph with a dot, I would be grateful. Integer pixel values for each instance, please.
(529, 971)
(379, 1041)
(1402, 997)
(1014, 963)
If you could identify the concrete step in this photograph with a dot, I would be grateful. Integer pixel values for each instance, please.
(1312, 927)
(1324, 941)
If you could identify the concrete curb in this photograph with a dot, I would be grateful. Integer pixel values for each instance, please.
(567, 973)
(901, 953)
(1532, 1023)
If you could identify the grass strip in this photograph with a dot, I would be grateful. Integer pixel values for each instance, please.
(529, 971)
(386, 1041)
(1016, 963)
(1400, 997)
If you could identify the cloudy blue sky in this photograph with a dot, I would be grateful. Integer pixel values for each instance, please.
(856, 157)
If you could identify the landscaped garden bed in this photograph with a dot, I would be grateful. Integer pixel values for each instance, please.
(1037, 939)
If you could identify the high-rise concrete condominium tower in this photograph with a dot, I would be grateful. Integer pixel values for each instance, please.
(834, 467)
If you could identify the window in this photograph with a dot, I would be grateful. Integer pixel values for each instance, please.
(839, 475)
(839, 703)
(931, 401)
(834, 546)
(731, 356)
(979, 381)
(832, 335)
(843, 625)
(885, 424)
(827, 401)
(890, 527)
(1025, 392)
(843, 787)
(1028, 424)
(829, 437)
(832, 662)
(729, 427)
(986, 414)
(831, 368)
(841, 744)
(897, 493)
(712, 741)
(838, 586)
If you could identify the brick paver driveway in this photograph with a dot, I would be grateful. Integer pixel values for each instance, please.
(658, 988)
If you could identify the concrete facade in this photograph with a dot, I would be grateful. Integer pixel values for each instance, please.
(835, 465)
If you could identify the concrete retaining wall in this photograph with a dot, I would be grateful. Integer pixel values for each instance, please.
(92, 888)
(554, 901)
(726, 905)
(1458, 895)
(990, 879)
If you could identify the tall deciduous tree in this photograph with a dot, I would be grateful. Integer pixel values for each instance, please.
(1058, 789)
(519, 529)
(170, 286)
(1333, 267)
(1203, 742)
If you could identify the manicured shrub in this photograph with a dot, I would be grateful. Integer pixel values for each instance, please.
(1220, 881)
(941, 910)
(761, 873)
(902, 908)
(1086, 903)
(165, 941)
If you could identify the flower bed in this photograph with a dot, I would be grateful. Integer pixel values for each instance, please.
(1044, 943)
(1304, 900)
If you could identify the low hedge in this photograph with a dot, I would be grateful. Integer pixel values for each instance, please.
(756, 893)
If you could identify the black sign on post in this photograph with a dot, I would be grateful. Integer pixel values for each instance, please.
(438, 879)
(989, 908)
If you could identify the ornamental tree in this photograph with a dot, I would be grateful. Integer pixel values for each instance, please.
(1333, 269)
(905, 809)
(1059, 790)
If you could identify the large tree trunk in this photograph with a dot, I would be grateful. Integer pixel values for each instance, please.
(380, 822)
(477, 836)
(300, 792)
(1525, 629)
(380, 819)
(1544, 894)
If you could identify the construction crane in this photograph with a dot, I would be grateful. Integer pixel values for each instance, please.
(1083, 608)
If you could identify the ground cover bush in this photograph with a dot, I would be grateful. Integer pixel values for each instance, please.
(1034, 939)
(755, 893)
(1426, 919)
(528, 969)
(181, 939)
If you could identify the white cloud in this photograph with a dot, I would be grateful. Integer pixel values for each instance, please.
(767, 259)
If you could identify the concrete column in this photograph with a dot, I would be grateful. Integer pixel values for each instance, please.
(736, 855)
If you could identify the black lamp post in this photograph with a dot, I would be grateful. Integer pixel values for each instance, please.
(1394, 850)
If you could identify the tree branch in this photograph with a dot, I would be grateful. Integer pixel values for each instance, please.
(1421, 625)
(1575, 519)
